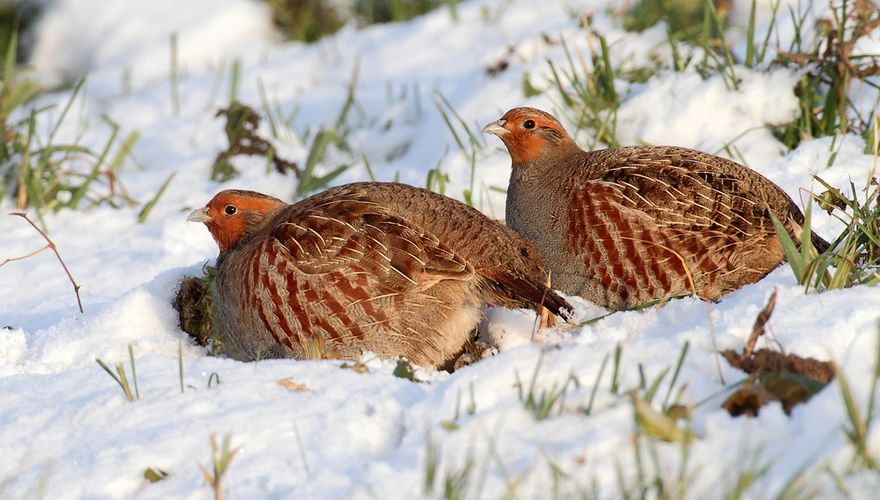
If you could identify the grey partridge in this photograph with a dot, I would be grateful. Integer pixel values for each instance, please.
(381, 267)
(628, 226)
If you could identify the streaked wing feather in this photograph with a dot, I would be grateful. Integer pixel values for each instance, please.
(394, 251)
(684, 190)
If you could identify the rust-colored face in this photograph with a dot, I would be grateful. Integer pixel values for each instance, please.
(527, 133)
(230, 214)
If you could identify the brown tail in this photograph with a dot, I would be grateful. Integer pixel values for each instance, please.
(820, 244)
(536, 294)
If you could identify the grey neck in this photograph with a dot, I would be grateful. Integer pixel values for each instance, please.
(530, 198)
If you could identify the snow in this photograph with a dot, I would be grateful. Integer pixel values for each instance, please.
(67, 430)
(679, 108)
(78, 37)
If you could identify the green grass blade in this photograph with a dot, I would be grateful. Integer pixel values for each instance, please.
(126, 388)
(320, 143)
(438, 102)
(67, 106)
(678, 365)
(175, 94)
(858, 431)
(134, 376)
(652, 389)
(792, 254)
(83, 188)
(124, 150)
(589, 407)
(750, 38)
(148, 206)
(234, 80)
(369, 168)
(180, 363)
(9, 59)
(618, 350)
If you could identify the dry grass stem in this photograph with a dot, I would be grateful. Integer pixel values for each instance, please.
(759, 328)
(547, 320)
(49, 245)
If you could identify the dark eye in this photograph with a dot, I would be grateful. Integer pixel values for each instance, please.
(230, 210)
(529, 124)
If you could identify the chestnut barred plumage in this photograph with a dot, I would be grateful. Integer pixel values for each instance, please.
(627, 226)
(381, 267)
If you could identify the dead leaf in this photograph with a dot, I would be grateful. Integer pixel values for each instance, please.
(293, 386)
(775, 376)
(747, 400)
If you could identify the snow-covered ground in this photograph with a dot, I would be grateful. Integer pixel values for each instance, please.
(67, 431)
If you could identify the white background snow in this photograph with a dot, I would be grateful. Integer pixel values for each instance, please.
(67, 431)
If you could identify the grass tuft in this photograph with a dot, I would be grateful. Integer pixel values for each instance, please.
(542, 403)
(405, 369)
(121, 378)
(469, 142)
(47, 176)
(311, 20)
(830, 70)
(242, 138)
(588, 92)
(221, 457)
(854, 256)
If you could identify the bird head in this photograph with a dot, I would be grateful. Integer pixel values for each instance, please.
(529, 133)
(231, 214)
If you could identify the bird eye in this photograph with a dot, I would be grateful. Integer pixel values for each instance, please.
(529, 124)
(230, 210)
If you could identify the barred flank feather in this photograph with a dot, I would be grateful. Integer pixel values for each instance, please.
(628, 226)
(388, 268)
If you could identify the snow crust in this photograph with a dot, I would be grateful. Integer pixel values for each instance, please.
(66, 430)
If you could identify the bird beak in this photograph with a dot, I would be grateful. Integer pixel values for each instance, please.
(199, 215)
(496, 128)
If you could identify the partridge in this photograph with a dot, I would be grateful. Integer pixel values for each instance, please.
(381, 267)
(628, 226)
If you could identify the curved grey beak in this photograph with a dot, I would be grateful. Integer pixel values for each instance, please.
(496, 128)
(199, 215)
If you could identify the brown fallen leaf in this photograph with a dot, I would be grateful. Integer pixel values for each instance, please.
(766, 360)
(293, 386)
(774, 376)
(748, 399)
(788, 389)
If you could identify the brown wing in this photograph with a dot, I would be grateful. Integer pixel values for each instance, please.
(337, 272)
(695, 191)
(510, 264)
(346, 233)
(669, 221)
(706, 192)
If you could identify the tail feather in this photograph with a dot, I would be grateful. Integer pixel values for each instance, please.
(818, 242)
(536, 294)
(795, 214)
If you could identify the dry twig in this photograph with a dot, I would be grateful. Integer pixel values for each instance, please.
(49, 245)
(759, 326)
(547, 320)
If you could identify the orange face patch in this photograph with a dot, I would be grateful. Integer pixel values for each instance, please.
(529, 131)
(523, 148)
(228, 209)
